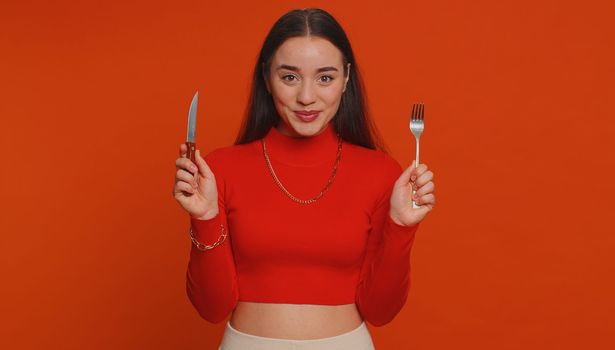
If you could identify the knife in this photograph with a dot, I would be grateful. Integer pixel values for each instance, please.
(190, 142)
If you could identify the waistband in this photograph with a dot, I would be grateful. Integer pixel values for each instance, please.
(356, 339)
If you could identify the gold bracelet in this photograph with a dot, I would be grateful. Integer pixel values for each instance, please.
(204, 247)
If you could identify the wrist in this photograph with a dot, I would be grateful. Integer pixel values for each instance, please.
(395, 220)
(399, 222)
(208, 215)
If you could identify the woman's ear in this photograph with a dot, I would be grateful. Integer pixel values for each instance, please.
(347, 77)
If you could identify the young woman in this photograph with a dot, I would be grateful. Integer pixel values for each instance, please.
(303, 228)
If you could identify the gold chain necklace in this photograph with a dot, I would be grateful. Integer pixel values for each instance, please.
(329, 182)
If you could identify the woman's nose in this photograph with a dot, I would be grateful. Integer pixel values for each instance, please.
(306, 94)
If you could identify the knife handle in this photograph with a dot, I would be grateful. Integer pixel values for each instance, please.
(191, 151)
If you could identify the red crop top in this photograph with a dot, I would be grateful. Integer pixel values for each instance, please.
(342, 249)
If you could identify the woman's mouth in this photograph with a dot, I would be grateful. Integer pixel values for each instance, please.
(307, 116)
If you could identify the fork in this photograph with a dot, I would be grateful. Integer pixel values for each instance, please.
(417, 124)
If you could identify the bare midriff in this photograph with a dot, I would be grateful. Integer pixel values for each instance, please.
(294, 321)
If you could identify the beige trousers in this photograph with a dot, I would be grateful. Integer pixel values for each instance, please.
(356, 339)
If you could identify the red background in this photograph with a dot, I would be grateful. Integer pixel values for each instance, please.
(519, 123)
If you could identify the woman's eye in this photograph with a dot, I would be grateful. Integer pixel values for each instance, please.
(326, 78)
(289, 77)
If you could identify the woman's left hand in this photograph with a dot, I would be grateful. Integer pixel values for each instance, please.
(421, 180)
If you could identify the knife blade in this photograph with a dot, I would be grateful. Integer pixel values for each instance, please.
(190, 138)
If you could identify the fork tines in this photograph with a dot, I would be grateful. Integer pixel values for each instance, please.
(418, 111)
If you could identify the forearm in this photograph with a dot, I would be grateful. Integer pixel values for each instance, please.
(385, 279)
(211, 279)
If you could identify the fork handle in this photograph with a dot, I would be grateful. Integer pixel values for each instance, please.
(417, 152)
(414, 205)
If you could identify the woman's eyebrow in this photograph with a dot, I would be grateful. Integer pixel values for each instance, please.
(296, 69)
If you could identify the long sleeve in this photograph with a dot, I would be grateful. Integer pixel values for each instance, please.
(384, 281)
(211, 278)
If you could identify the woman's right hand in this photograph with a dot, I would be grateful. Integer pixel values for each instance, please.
(195, 186)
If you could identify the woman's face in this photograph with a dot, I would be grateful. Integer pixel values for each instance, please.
(306, 75)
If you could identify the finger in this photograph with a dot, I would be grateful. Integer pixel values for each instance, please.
(186, 164)
(422, 168)
(183, 150)
(183, 175)
(183, 187)
(415, 172)
(424, 178)
(406, 175)
(203, 167)
(429, 199)
(425, 189)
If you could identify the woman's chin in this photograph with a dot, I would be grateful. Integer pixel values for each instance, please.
(296, 131)
(308, 129)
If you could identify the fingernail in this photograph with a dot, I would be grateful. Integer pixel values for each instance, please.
(413, 177)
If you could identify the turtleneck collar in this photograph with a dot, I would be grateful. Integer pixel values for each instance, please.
(302, 151)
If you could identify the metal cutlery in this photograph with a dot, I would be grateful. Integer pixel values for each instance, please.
(190, 138)
(417, 124)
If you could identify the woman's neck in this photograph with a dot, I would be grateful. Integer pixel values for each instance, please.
(302, 150)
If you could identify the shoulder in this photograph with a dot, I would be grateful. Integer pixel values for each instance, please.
(378, 171)
(228, 157)
(376, 162)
